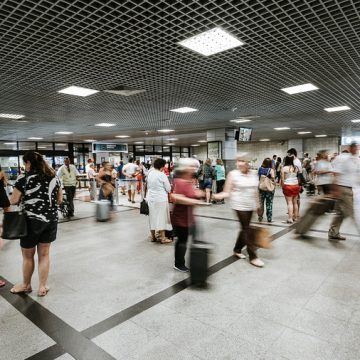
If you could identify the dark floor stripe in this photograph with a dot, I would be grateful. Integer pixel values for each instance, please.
(63, 334)
(78, 344)
(51, 352)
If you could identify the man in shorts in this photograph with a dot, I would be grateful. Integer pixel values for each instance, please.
(131, 170)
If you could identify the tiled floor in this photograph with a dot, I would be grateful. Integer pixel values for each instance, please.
(107, 284)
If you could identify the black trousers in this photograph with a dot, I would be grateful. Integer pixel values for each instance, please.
(245, 237)
(182, 234)
(220, 186)
(70, 194)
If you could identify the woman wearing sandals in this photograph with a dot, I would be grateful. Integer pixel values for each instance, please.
(158, 188)
(39, 190)
(291, 189)
(4, 204)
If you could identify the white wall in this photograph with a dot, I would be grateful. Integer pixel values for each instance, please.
(314, 145)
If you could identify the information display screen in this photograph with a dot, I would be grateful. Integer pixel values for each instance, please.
(104, 147)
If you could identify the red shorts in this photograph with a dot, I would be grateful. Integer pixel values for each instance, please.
(291, 190)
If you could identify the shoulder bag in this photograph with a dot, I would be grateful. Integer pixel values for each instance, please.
(266, 183)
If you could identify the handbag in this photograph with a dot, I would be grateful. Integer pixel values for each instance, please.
(144, 207)
(261, 237)
(266, 183)
(14, 225)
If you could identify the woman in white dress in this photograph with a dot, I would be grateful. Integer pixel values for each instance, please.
(158, 188)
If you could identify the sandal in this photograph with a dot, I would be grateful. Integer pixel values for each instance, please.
(289, 221)
(44, 291)
(2, 283)
(19, 289)
(166, 241)
(152, 239)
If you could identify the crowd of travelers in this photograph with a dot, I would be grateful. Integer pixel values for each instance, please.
(173, 190)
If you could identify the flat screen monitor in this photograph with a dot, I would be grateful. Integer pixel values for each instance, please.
(243, 134)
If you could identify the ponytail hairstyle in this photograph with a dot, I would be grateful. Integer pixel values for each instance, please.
(38, 164)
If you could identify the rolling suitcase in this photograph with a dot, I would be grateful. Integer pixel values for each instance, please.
(316, 209)
(102, 210)
(199, 263)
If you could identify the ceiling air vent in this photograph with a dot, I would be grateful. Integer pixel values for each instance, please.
(124, 91)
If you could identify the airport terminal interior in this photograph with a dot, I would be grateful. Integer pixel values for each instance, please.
(102, 82)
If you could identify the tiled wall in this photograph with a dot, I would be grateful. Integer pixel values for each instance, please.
(314, 145)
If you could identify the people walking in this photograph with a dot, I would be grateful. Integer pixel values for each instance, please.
(106, 179)
(39, 189)
(266, 195)
(67, 174)
(208, 179)
(131, 170)
(241, 186)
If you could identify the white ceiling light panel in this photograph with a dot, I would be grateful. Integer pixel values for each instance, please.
(300, 89)
(211, 42)
(78, 91)
(184, 110)
(337, 108)
(11, 116)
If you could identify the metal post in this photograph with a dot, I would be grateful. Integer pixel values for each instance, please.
(117, 192)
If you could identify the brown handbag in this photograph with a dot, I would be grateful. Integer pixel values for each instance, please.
(261, 237)
(107, 189)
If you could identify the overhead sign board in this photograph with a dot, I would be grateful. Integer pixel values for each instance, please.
(106, 147)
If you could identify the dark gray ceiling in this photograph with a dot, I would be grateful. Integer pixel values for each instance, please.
(48, 45)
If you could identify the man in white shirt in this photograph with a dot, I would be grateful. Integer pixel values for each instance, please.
(347, 172)
(131, 170)
(67, 174)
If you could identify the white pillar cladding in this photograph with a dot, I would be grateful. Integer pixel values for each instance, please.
(297, 144)
(228, 142)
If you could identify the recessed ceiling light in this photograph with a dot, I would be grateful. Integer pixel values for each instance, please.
(184, 110)
(90, 140)
(138, 142)
(282, 128)
(20, 121)
(165, 147)
(11, 116)
(57, 144)
(173, 139)
(122, 136)
(64, 132)
(78, 91)
(211, 42)
(165, 130)
(195, 145)
(240, 121)
(264, 140)
(321, 135)
(42, 147)
(10, 143)
(300, 88)
(355, 121)
(202, 141)
(304, 132)
(35, 138)
(338, 108)
(105, 124)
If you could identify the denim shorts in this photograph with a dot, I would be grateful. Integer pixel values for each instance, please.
(207, 183)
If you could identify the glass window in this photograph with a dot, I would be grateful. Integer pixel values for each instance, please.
(139, 148)
(184, 149)
(61, 147)
(176, 149)
(44, 146)
(8, 145)
(10, 165)
(26, 145)
(175, 156)
(149, 148)
(159, 149)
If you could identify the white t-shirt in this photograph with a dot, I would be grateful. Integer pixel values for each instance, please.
(297, 163)
(244, 191)
(347, 168)
(324, 179)
(130, 169)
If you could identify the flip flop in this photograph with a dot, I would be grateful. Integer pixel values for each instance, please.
(43, 293)
(22, 291)
(2, 283)
(166, 241)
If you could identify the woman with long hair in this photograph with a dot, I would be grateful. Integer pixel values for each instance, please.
(266, 197)
(4, 204)
(39, 191)
(291, 189)
(106, 180)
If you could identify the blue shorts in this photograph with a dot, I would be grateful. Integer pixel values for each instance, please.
(207, 183)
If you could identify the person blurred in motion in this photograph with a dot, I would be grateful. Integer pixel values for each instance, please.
(185, 197)
(131, 170)
(208, 178)
(267, 197)
(241, 186)
(291, 189)
(106, 180)
(91, 175)
(200, 175)
(278, 166)
(220, 176)
(4, 204)
(139, 176)
(157, 196)
(39, 189)
(67, 174)
(121, 177)
(347, 175)
(324, 173)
